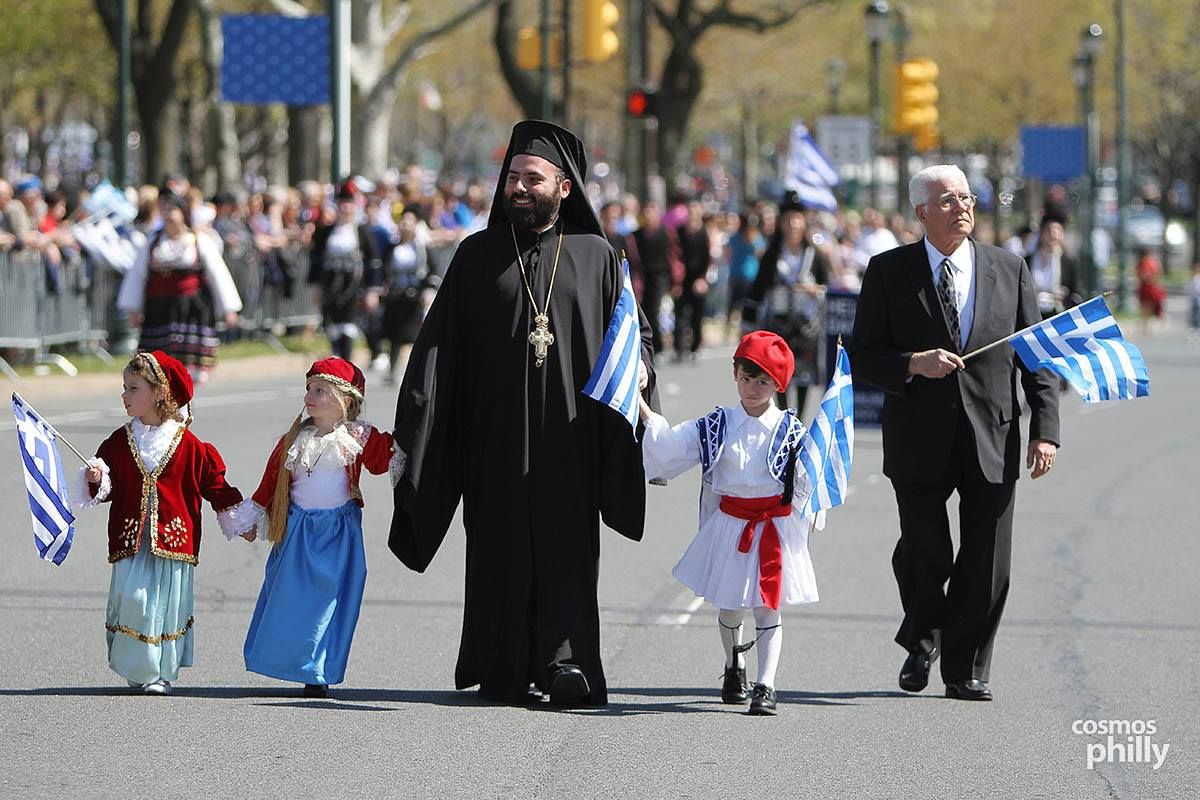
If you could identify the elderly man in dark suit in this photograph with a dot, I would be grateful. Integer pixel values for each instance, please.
(951, 425)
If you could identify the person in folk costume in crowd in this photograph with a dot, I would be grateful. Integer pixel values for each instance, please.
(345, 271)
(951, 425)
(309, 507)
(1055, 272)
(178, 287)
(155, 472)
(788, 291)
(751, 549)
(491, 412)
(410, 287)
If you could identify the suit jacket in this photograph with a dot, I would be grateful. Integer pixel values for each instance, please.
(899, 314)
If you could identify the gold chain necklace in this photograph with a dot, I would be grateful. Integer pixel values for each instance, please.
(540, 337)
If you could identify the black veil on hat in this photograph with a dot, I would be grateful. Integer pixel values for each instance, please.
(560, 147)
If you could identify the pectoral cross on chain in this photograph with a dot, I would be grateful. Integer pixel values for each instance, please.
(541, 338)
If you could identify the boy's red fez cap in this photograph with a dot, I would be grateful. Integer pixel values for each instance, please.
(769, 351)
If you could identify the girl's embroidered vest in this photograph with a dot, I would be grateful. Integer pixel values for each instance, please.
(784, 439)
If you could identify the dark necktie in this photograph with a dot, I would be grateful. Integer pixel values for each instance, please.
(949, 298)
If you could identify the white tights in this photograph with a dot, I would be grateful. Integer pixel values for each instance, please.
(769, 640)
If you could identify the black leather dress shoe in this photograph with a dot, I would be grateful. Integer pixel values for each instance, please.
(914, 675)
(569, 686)
(968, 690)
(734, 690)
(316, 690)
(762, 701)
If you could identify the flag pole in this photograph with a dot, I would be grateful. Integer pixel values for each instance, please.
(58, 436)
(1012, 336)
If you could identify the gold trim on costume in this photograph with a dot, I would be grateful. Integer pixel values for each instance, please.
(341, 383)
(148, 510)
(141, 637)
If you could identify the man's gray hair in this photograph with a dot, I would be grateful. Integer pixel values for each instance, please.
(918, 186)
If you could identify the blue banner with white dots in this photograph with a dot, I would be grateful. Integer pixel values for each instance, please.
(270, 58)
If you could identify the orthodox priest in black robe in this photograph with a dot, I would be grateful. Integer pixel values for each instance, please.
(491, 413)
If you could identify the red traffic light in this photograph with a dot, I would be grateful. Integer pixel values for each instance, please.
(640, 103)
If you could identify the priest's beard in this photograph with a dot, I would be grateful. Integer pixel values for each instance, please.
(534, 217)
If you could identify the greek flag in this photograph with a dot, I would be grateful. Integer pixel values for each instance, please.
(53, 522)
(1084, 346)
(827, 448)
(614, 380)
(810, 173)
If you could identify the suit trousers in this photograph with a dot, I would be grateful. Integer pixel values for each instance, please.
(967, 612)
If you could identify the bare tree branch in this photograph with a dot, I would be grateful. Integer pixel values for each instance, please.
(415, 48)
(397, 20)
(172, 35)
(723, 14)
(291, 8)
(108, 17)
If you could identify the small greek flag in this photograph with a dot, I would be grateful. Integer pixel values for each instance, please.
(614, 380)
(53, 522)
(827, 449)
(1084, 346)
(810, 173)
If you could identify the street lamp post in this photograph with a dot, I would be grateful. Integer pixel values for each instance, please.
(1123, 158)
(1084, 74)
(900, 37)
(875, 18)
(835, 75)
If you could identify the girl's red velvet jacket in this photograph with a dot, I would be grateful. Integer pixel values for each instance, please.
(170, 497)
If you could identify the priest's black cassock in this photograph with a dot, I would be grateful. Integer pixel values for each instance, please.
(535, 462)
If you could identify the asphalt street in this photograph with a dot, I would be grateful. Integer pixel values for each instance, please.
(1101, 625)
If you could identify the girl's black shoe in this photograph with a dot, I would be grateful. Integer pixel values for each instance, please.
(734, 690)
(762, 701)
(316, 690)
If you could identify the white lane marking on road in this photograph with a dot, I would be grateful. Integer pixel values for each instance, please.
(60, 419)
(671, 389)
(681, 619)
(211, 401)
(873, 479)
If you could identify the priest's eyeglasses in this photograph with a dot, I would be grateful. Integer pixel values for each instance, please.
(966, 199)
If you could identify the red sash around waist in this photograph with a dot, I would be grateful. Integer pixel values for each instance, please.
(770, 555)
(173, 284)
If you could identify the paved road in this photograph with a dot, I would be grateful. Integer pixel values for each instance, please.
(1101, 625)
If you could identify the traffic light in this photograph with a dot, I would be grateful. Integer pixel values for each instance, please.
(641, 103)
(600, 41)
(927, 138)
(529, 48)
(915, 97)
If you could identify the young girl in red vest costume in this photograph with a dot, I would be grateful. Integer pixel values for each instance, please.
(310, 509)
(751, 550)
(155, 472)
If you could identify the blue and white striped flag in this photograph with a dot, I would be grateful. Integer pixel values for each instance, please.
(1085, 347)
(53, 522)
(810, 173)
(827, 449)
(614, 380)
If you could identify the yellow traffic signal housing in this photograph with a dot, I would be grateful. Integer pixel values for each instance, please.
(600, 41)
(927, 138)
(915, 97)
(529, 48)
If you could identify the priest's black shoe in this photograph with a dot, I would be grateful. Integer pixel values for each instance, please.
(914, 675)
(569, 686)
(763, 701)
(968, 690)
(316, 690)
(734, 690)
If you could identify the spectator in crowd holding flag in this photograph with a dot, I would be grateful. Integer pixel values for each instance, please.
(156, 473)
(751, 549)
(950, 426)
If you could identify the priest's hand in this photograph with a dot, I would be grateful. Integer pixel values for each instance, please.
(644, 409)
(643, 376)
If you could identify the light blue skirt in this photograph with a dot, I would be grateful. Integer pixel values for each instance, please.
(149, 618)
(308, 607)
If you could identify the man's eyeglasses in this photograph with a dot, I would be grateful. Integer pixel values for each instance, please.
(966, 199)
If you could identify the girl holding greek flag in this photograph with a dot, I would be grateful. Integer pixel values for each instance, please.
(751, 549)
(156, 474)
